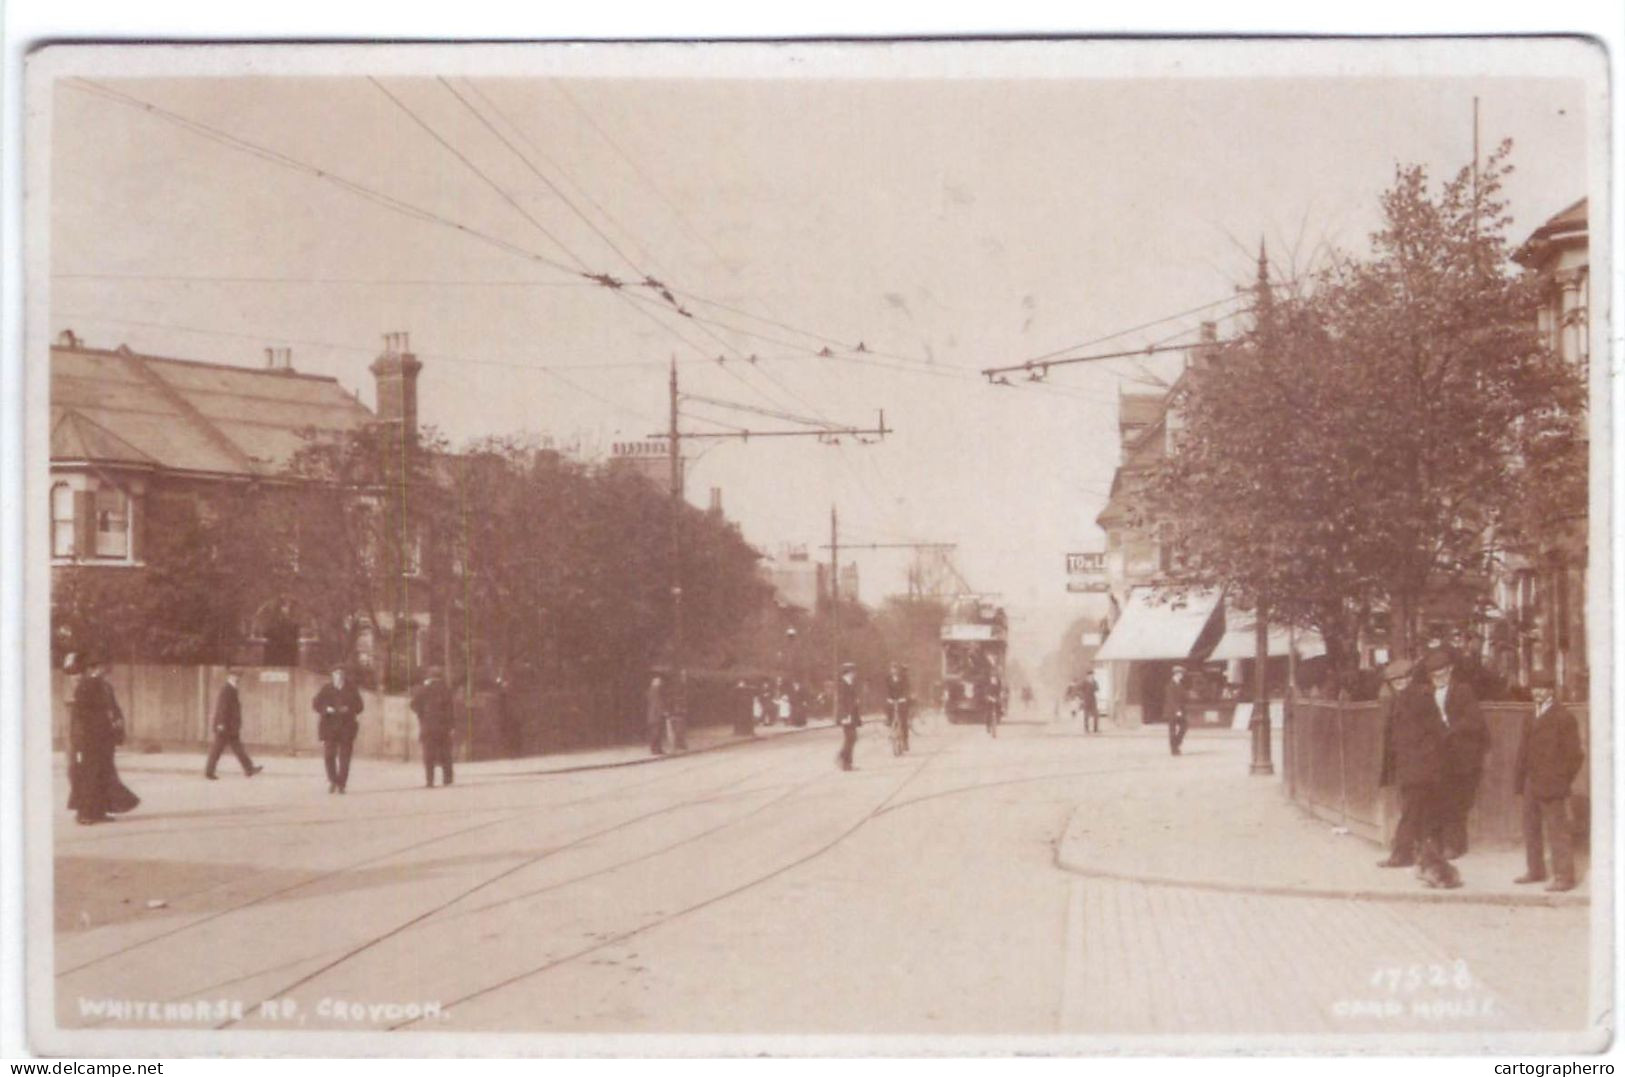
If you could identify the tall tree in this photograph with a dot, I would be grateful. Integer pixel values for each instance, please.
(1372, 440)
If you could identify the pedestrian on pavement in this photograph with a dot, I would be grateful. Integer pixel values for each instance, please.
(1413, 760)
(228, 729)
(846, 713)
(1549, 756)
(1174, 701)
(655, 715)
(95, 730)
(743, 702)
(433, 706)
(1466, 743)
(1089, 692)
(513, 734)
(338, 706)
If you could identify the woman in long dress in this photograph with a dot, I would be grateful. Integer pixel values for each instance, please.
(95, 729)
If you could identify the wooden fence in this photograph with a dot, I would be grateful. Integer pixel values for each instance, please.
(1333, 759)
(169, 708)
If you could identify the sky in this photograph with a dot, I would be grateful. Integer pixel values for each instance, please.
(948, 218)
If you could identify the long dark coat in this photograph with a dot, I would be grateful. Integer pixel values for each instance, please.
(433, 706)
(1549, 756)
(1414, 744)
(1467, 738)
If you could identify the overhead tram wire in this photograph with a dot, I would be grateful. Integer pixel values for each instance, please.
(387, 201)
(410, 210)
(530, 166)
(472, 167)
(615, 288)
(537, 172)
(285, 161)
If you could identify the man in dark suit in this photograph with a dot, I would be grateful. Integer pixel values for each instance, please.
(1549, 756)
(1174, 700)
(1089, 691)
(433, 706)
(1413, 760)
(228, 729)
(339, 706)
(1466, 743)
(847, 713)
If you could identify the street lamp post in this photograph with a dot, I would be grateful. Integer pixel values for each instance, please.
(1260, 725)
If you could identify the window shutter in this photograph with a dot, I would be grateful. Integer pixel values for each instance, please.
(84, 524)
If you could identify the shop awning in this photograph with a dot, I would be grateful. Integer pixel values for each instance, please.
(1158, 625)
(1239, 641)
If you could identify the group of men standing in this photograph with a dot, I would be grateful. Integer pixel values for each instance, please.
(1436, 742)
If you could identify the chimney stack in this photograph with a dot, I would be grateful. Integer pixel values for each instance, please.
(396, 374)
(279, 360)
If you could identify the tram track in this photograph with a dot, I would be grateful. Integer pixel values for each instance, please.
(338, 872)
(714, 899)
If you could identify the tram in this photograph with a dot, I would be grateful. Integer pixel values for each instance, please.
(973, 648)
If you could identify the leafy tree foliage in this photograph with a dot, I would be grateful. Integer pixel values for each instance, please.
(1376, 437)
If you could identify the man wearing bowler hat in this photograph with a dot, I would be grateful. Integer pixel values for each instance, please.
(1549, 757)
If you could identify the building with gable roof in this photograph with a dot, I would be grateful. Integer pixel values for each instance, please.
(129, 431)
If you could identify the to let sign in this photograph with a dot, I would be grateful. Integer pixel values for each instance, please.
(1085, 564)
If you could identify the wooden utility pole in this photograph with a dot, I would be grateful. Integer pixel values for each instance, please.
(674, 436)
(834, 610)
(674, 449)
(1260, 725)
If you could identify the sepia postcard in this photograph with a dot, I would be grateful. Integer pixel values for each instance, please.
(893, 548)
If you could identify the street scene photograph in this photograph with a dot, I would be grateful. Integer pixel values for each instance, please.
(906, 548)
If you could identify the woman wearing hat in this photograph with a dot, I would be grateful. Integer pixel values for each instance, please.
(95, 729)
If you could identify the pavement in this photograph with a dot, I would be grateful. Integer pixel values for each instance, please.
(1187, 834)
(703, 739)
(911, 906)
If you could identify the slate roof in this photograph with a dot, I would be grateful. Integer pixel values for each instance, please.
(151, 411)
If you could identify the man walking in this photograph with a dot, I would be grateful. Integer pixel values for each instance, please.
(433, 706)
(338, 706)
(228, 729)
(1174, 700)
(1089, 690)
(1466, 743)
(1549, 757)
(655, 715)
(846, 713)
